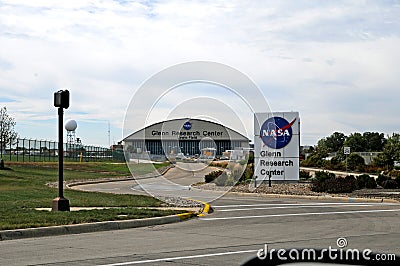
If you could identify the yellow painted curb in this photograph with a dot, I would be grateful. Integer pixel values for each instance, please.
(186, 215)
(206, 209)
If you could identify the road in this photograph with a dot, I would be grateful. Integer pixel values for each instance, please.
(175, 183)
(238, 227)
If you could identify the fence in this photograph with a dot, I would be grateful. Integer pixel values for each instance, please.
(32, 150)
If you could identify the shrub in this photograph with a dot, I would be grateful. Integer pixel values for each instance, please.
(365, 181)
(370, 182)
(355, 162)
(305, 175)
(334, 185)
(237, 171)
(390, 184)
(210, 177)
(222, 179)
(382, 178)
(394, 173)
(318, 186)
(230, 181)
(315, 160)
(398, 181)
(323, 175)
(337, 163)
(248, 173)
(373, 169)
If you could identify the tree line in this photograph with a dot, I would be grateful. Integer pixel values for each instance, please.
(387, 146)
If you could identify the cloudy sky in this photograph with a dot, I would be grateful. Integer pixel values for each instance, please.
(335, 62)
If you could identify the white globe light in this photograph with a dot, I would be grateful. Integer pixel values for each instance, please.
(71, 125)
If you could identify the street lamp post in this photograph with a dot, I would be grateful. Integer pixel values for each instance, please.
(61, 100)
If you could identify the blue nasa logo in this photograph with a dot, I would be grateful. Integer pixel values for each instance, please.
(276, 132)
(187, 125)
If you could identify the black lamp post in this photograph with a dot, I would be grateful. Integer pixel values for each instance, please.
(61, 100)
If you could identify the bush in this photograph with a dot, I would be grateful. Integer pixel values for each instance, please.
(390, 184)
(222, 179)
(394, 173)
(237, 171)
(355, 162)
(230, 181)
(337, 163)
(373, 169)
(305, 175)
(365, 181)
(315, 160)
(334, 185)
(382, 178)
(323, 175)
(370, 182)
(398, 181)
(248, 173)
(350, 177)
(212, 176)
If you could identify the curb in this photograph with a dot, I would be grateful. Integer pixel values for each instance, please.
(345, 199)
(206, 208)
(91, 227)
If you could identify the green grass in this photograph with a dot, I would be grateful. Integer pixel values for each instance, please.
(23, 188)
(144, 168)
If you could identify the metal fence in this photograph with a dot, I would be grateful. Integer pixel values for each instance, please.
(33, 150)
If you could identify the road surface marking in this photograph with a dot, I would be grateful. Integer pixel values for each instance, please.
(299, 204)
(183, 257)
(292, 207)
(295, 214)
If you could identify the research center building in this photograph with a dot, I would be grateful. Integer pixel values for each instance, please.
(184, 136)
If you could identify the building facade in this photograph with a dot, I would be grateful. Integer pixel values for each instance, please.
(184, 136)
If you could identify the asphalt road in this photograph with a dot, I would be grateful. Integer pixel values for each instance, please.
(235, 231)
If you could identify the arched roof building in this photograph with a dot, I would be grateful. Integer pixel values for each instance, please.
(184, 136)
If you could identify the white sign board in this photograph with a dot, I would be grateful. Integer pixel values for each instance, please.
(276, 146)
(346, 150)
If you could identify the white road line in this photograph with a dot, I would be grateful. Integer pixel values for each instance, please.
(300, 204)
(296, 214)
(182, 257)
(294, 207)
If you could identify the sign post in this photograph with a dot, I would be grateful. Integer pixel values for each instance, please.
(346, 151)
(61, 100)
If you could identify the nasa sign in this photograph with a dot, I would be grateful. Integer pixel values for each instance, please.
(276, 132)
(187, 125)
(276, 146)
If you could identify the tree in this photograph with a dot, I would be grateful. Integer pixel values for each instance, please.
(7, 133)
(356, 142)
(390, 152)
(374, 141)
(333, 143)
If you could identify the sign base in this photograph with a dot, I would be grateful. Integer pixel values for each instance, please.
(60, 204)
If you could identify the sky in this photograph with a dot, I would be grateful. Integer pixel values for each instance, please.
(335, 62)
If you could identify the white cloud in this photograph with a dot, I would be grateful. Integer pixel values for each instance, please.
(328, 60)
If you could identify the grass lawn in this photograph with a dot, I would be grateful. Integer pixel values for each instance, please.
(23, 188)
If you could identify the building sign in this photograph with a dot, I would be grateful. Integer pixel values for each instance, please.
(188, 134)
(276, 146)
(187, 125)
(185, 129)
